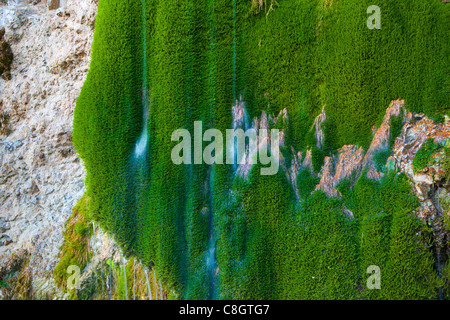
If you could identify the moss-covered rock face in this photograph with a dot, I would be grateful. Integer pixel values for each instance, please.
(75, 251)
(424, 157)
(443, 201)
(158, 66)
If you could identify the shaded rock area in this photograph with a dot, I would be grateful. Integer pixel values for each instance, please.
(319, 135)
(53, 4)
(382, 135)
(6, 56)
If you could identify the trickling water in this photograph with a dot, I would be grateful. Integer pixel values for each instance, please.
(142, 143)
(240, 121)
(246, 118)
(211, 265)
(109, 282)
(101, 276)
(211, 262)
(234, 49)
(134, 280)
(125, 278)
(155, 284)
(149, 289)
(439, 272)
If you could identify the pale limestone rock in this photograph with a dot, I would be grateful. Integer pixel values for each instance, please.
(381, 137)
(41, 177)
(428, 183)
(320, 119)
(327, 182)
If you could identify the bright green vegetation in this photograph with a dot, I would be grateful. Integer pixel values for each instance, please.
(75, 249)
(423, 157)
(317, 251)
(365, 69)
(395, 240)
(321, 252)
(108, 115)
(211, 234)
(306, 183)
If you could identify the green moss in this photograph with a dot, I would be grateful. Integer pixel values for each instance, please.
(375, 243)
(423, 157)
(320, 252)
(197, 59)
(75, 250)
(306, 183)
(392, 238)
(318, 158)
(409, 272)
(380, 158)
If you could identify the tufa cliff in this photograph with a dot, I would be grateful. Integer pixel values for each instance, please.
(44, 224)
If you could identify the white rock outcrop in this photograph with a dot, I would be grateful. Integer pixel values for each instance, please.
(41, 177)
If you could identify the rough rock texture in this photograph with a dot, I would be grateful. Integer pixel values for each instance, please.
(41, 178)
(351, 160)
(415, 132)
(430, 184)
(320, 119)
(381, 137)
(264, 122)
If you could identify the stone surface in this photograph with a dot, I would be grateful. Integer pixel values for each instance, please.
(41, 177)
(430, 184)
(349, 162)
(319, 135)
(381, 137)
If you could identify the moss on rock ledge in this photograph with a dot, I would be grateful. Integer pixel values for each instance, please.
(75, 250)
